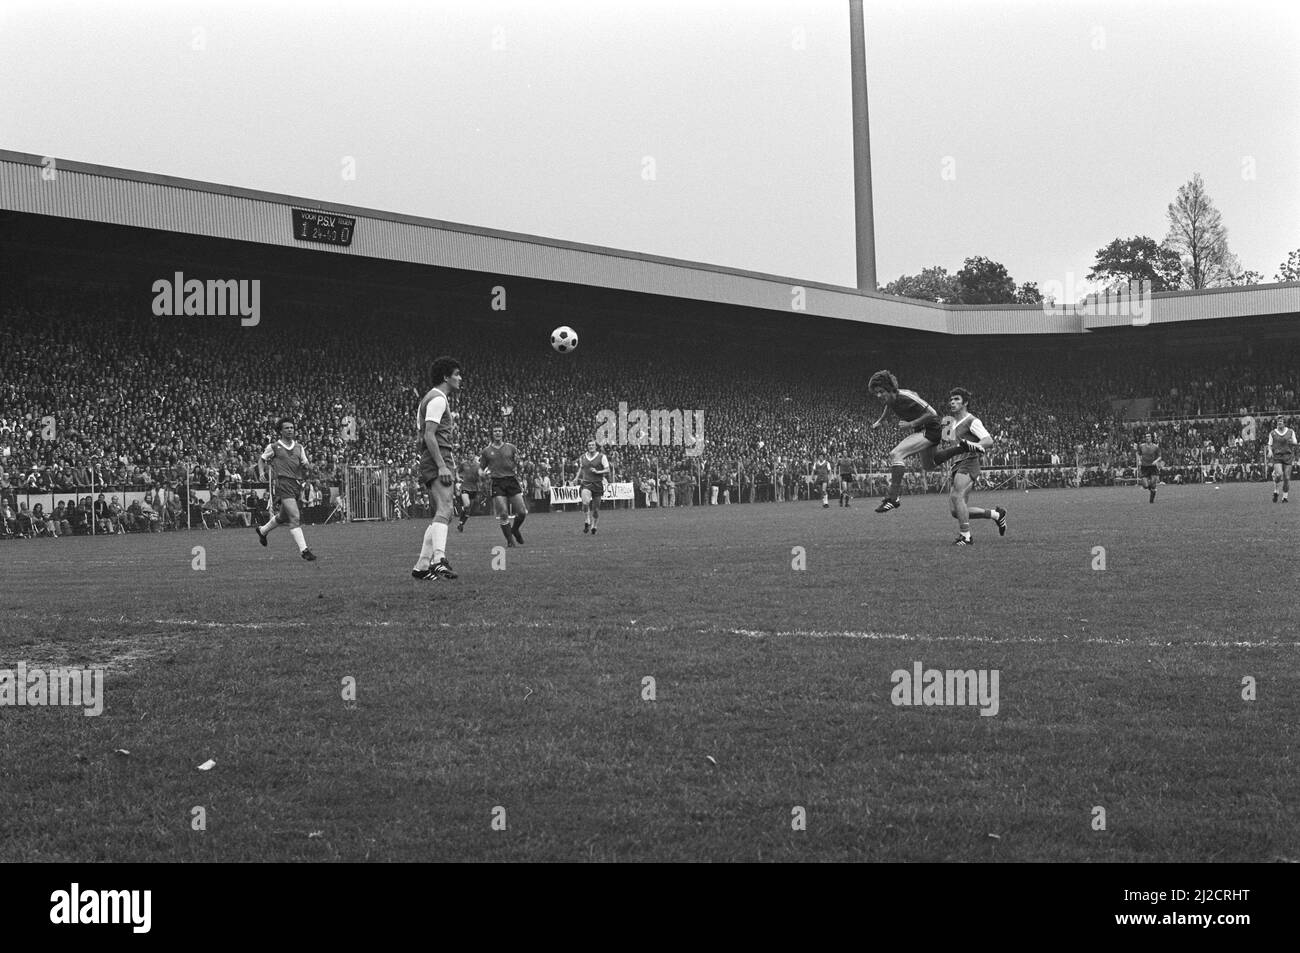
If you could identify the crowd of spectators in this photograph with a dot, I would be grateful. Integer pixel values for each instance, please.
(94, 396)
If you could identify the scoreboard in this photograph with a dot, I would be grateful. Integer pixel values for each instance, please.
(324, 227)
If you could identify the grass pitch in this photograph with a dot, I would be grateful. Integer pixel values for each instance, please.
(516, 697)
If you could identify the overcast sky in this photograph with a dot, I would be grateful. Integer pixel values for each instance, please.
(1061, 125)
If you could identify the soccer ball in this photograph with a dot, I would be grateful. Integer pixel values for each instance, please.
(564, 339)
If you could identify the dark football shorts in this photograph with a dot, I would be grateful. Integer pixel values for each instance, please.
(1150, 471)
(506, 486)
(846, 477)
(1283, 458)
(286, 488)
(969, 466)
(429, 472)
(933, 432)
(597, 490)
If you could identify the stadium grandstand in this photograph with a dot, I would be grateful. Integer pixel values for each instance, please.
(116, 418)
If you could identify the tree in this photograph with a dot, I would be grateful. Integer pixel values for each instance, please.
(1246, 278)
(982, 281)
(1138, 259)
(932, 284)
(1289, 270)
(1198, 236)
(1028, 293)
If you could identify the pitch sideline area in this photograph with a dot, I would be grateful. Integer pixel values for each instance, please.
(520, 697)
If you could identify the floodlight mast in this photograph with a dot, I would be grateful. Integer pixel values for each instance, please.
(864, 215)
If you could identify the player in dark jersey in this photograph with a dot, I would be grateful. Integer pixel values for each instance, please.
(845, 465)
(914, 414)
(437, 425)
(501, 462)
(593, 467)
(467, 478)
(1282, 444)
(822, 478)
(1148, 463)
(965, 440)
(287, 465)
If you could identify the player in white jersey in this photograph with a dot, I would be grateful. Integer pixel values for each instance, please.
(966, 439)
(437, 426)
(1281, 448)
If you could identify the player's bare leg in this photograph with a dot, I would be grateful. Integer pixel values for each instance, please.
(912, 444)
(586, 510)
(290, 516)
(433, 563)
(521, 513)
(963, 512)
(501, 507)
(1277, 480)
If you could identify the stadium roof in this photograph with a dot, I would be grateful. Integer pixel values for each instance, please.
(74, 190)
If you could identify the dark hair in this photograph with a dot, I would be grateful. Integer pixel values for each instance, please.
(279, 425)
(883, 379)
(443, 368)
(961, 392)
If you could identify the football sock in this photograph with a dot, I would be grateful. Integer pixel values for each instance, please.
(895, 480)
(519, 519)
(439, 531)
(268, 527)
(298, 538)
(505, 531)
(965, 534)
(426, 549)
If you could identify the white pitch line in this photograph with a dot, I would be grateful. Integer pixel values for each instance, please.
(1038, 640)
(862, 635)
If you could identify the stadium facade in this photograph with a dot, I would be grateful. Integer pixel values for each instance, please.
(32, 185)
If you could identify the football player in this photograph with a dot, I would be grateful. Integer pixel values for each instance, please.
(287, 464)
(437, 426)
(1281, 446)
(501, 462)
(593, 466)
(913, 414)
(822, 478)
(966, 440)
(1148, 460)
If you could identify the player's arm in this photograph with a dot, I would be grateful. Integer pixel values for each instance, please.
(881, 418)
(433, 413)
(928, 416)
(983, 439)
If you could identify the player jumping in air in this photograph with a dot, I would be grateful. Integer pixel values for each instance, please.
(288, 464)
(501, 461)
(1281, 446)
(1148, 461)
(592, 469)
(822, 479)
(969, 439)
(914, 414)
(437, 426)
(468, 476)
(845, 466)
